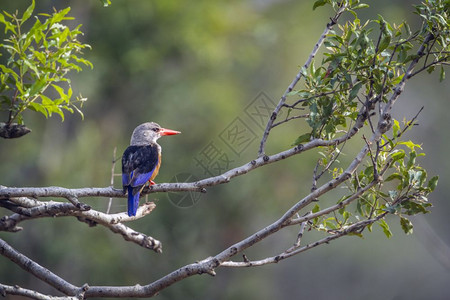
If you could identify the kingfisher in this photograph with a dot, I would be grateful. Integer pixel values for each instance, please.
(141, 161)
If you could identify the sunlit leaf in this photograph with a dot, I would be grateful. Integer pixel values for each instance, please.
(27, 14)
(36, 87)
(386, 229)
(38, 108)
(106, 3)
(410, 145)
(8, 25)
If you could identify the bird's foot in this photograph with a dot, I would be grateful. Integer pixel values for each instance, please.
(151, 182)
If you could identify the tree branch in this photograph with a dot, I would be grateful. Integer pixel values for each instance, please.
(28, 209)
(37, 270)
(18, 291)
(294, 251)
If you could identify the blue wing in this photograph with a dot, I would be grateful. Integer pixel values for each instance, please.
(138, 165)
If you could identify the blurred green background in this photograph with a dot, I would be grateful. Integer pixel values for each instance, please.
(202, 67)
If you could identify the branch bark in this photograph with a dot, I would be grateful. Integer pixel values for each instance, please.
(29, 209)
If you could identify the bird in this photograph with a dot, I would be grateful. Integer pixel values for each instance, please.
(141, 161)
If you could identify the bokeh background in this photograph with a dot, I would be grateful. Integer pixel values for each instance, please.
(198, 67)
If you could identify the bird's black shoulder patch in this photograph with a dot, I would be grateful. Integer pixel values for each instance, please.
(140, 159)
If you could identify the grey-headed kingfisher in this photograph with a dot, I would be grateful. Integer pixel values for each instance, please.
(141, 161)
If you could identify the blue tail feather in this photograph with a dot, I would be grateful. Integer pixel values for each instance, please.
(133, 201)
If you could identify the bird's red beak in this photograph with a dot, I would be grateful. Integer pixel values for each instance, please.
(164, 131)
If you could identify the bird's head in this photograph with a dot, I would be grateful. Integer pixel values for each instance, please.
(149, 133)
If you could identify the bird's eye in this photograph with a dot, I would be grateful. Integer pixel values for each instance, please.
(155, 129)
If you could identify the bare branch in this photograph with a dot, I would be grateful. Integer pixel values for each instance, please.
(37, 270)
(292, 251)
(29, 209)
(300, 234)
(18, 291)
(198, 186)
(113, 167)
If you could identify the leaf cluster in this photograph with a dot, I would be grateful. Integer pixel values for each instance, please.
(400, 187)
(362, 68)
(37, 61)
(362, 65)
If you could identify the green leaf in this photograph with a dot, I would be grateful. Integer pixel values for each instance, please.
(354, 91)
(433, 183)
(413, 208)
(416, 177)
(442, 74)
(411, 145)
(63, 36)
(384, 43)
(304, 138)
(9, 71)
(385, 228)
(361, 5)
(394, 176)
(36, 87)
(406, 224)
(106, 3)
(369, 171)
(57, 110)
(40, 56)
(319, 3)
(32, 65)
(354, 233)
(395, 128)
(315, 209)
(27, 14)
(38, 108)
(61, 93)
(8, 25)
(412, 160)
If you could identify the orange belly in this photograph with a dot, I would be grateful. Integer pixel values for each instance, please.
(156, 171)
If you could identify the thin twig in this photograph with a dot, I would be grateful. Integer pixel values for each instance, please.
(292, 251)
(299, 235)
(289, 119)
(113, 167)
